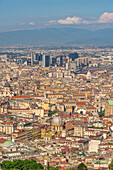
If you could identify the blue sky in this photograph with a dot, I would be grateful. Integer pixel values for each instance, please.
(34, 14)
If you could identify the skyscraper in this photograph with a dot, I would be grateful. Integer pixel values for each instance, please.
(53, 61)
(46, 60)
(38, 57)
(60, 60)
(73, 56)
(32, 58)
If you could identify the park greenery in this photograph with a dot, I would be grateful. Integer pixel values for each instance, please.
(52, 112)
(24, 165)
(82, 166)
(21, 165)
(33, 165)
(111, 165)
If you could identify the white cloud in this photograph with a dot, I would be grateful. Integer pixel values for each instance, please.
(31, 23)
(71, 20)
(75, 20)
(106, 18)
(52, 21)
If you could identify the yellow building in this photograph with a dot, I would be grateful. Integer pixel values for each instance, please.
(45, 106)
(109, 108)
(8, 127)
(56, 95)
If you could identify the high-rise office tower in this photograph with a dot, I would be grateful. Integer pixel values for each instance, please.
(60, 60)
(32, 58)
(46, 60)
(73, 56)
(53, 61)
(38, 57)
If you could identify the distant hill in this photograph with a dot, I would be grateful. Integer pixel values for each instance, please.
(57, 36)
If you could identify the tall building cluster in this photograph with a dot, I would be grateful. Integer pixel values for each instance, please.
(71, 61)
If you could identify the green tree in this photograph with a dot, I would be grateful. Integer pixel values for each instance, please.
(48, 166)
(7, 165)
(33, 166)
(17, 164)
(40, 166)
(51, 112)
(26, 164)
(101, 114)
(51, 168)
(82, 166)
(21, 165)
(111, 165)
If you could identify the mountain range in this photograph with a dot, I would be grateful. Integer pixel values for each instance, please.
(57, 36)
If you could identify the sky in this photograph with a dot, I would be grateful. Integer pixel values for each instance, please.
(36, 14)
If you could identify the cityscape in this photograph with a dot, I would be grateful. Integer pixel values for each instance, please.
(57, 106)
(56, 85)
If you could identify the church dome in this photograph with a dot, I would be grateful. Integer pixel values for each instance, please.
(57, 120)
(8, 143)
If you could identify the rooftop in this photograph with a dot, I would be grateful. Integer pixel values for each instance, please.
(110, 102)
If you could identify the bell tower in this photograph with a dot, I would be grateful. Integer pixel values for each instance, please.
(7, 89)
